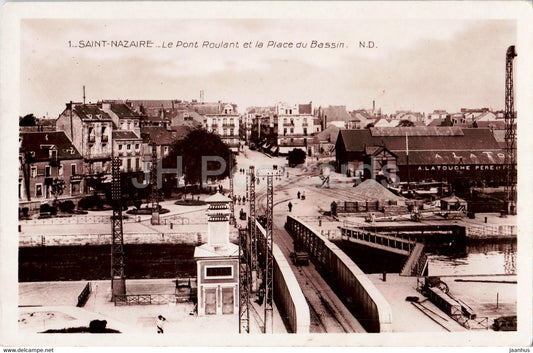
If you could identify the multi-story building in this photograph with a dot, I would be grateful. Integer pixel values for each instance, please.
(90, 130)
(46, 157)
(128, 146)
(295, 126)
(123, 116)
(222, 119)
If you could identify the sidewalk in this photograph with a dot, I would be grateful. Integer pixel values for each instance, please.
(46, 305)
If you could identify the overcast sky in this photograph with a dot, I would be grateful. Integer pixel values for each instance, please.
(420, 65)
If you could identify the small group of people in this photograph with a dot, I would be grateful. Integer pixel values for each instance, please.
(237, 199)
(242, 171)
(301, 195)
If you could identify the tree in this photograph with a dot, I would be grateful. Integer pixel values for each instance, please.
(197, 144)
(295, 157)
(406, 123)
(28, 120)
(56, 189)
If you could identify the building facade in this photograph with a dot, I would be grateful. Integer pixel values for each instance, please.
(44, 158)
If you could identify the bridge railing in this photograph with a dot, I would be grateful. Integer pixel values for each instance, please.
(288, 295)
(144, 299)
(354, 288)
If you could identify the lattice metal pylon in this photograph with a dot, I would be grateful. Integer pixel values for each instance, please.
(153, 185)
(118, 276)
(231, 193)
(269, 259)
(252, 229)
(510, 133)
(244, 288)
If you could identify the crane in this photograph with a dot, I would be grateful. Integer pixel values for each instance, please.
(510, 133)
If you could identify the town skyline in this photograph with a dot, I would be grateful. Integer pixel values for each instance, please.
(393, 74)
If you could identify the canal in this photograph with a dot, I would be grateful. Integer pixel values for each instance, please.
(75, 263)
(52, 263)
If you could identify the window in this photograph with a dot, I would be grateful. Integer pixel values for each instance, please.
(74, 188)
(166, 149)
(60, 170)
(137, 146)
(47, 171)
(91, 134)
(52, 154)
(128, 165)
(33, 172)
(219, 272)
(137, 164)
(73, 169)
(128, 147)
(292, 130)
(119, 147)
(38, 190)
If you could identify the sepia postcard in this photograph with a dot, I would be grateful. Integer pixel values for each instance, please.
(349, 174)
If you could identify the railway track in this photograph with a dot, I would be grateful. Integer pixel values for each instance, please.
(328, 313)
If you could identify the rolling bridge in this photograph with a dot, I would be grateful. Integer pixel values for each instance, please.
(408, 240)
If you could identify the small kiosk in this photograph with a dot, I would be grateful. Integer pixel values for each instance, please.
(217, 263)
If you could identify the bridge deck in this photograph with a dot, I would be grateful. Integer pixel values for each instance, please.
(328, 313)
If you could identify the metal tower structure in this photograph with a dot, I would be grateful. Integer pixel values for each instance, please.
(510, 132)
(252, 229)
(231, 195)
(153, 185)
(118, 276)
(269, 260)
(244, 288)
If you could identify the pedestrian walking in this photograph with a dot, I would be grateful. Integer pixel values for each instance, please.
(298, 194)
(244, 199)
(160, 323)
(239, 198)
(290, 206)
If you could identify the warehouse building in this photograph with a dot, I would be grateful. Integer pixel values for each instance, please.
(419, 154)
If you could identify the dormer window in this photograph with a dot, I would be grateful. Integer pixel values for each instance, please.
(52, 153)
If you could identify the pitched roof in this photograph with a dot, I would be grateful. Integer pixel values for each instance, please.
(184, 117)
(336, 113)
(417, 131)
(90, 111)
(495, 124)
(180, 131)
(305, 108)
(123, 111)
(41, 142)
(328, 135)
(208, 108)
(470, 140)
(158, 134)
(124, 135)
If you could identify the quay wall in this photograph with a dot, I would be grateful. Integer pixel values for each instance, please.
(354, 288)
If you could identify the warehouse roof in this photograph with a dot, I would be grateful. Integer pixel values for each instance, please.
(469, 139)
